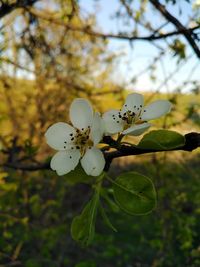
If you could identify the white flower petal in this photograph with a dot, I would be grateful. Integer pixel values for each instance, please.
(93, 161)
(65, 161)
(112, 122)
(134, 102)
(97, 129)
(81, 113)
(59, 135)
(156, 110)
(137, 129)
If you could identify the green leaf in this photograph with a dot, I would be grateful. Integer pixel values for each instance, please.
(162, 140)
(106, 219)
(78, 176)
(83, 226)
(134, 193)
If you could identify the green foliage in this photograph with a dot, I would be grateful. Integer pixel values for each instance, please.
(178, 47)
(162, 139)
(135, 193)
(106, 219)
(39, 211)
(83, 226)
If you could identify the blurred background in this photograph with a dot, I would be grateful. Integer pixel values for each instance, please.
(54, 51)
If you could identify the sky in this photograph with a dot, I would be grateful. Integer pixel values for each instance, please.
(140, 54)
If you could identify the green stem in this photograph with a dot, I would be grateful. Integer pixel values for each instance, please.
(119, 138)
(98, 183)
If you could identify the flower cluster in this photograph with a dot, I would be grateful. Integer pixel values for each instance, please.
(80, 141)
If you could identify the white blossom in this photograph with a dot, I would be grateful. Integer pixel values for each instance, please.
(78, 142)
(133, 118)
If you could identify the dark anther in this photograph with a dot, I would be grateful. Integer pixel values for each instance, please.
(64, 146)
(78, 147)
(72, 138)
(144, 110)
(82, 129)
(71, 134)
(70, 157)
(120, 116)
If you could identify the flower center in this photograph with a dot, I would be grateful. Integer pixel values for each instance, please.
(132, 117)
(82, 139)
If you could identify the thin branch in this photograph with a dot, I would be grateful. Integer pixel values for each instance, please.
(89, 31)
(192, 142)
(179, 26)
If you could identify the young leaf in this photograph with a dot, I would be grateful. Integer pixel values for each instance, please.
(134, 193)
(83, 226)
(106, 219)
(162, 139)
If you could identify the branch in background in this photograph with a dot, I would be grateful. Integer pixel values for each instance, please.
(89, 31)
(192, 143)
(188, 34)
(6, 8)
